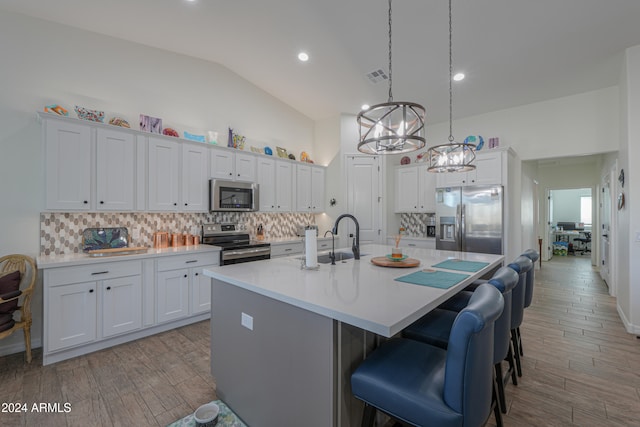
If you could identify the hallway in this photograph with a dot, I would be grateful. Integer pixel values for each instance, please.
(580, 366)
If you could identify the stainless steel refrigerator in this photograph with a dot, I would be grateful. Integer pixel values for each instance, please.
(469, 219)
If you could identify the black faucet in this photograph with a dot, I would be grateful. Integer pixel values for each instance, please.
(332, 254)
(355, 246)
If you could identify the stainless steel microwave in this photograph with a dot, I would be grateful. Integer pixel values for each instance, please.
(232, 196)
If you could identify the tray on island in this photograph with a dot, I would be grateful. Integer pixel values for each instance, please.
(383, 261)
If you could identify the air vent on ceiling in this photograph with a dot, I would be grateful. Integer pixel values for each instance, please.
(377, 76)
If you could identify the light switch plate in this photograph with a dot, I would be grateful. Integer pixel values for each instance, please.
(247, 321)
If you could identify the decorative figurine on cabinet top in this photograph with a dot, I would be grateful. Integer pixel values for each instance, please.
(91, 115)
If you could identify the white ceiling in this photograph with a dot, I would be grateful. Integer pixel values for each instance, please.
(513, 52)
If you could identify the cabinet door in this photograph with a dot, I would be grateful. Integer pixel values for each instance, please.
(222, 164)
(451, 179)
(317, 189)
(488, 170)
(121, 305)
(303, 188)
(67, 166)
(284, 186)
(164, 177)
(245, 167)
(71, 318)
(426, 190)
(115, 154)
(266, 173)
(172, 295)
(407, 189)
(195, 178)
(200, 291)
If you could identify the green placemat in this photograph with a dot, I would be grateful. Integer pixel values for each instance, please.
(226, 418)
(435, 279)
(460, 265)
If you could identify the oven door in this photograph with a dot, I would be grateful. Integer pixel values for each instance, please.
(236, 256)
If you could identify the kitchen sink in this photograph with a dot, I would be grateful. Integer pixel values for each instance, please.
(340, 256)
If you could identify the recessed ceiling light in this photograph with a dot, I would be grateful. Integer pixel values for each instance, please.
(365, 107)
(458, 77)
(302, 56)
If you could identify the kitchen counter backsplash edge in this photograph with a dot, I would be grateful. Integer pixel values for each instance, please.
(61, 232)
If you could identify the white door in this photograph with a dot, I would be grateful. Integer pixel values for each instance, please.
(266, 173)
(173, 294)
(317, 189)
(284, 186)
(406, 197)
(164, 178)
(121, 305)
(115, 170)
(73, 321)
(607, 231)
(364, 199)
(245, 167)
(303, 188)
(200, 291)
(222, 164)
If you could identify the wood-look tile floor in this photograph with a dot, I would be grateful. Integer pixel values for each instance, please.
(580, 367)
(150, 382)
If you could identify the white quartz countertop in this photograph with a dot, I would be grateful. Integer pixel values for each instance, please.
(355, 292)
(68, 260)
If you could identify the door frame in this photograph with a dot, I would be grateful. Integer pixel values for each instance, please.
(609, 178)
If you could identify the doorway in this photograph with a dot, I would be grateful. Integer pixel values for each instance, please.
(571, 217)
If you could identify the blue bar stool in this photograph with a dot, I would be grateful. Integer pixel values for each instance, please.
(435, 327)
(421, 384)
(533, 255)
(522, 265)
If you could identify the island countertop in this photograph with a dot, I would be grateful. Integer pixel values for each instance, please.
(355, 292)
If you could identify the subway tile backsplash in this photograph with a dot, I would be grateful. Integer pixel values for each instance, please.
(61, 233)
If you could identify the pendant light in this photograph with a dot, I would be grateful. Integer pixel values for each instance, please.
(453, 156)
(392, 127)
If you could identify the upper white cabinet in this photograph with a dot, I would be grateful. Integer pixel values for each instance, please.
(67, 152)
(164, 175)
(310, 188)
(226, 164)
(115, 173)
(275, 179)
(415, 189)
(195, 178)
(488, 171)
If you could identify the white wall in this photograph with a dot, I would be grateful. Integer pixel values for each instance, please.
(566, 203)
(45, 63)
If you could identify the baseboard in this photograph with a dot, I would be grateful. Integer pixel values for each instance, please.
(631, 328)
(19, 347)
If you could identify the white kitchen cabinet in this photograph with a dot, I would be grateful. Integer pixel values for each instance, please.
(234, 166)
(67, 153)
(182, 289)
(280, 249)
(415, 189)
(413, 242)
(89, 303)
(195, 178)
(121, 305)
(488, 171)
(275, 179)
(310, 188)
(70, 315)
(115, 172)
(164, 175)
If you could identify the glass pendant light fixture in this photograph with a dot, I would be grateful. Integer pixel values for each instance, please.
(392, 127)
(453, 156)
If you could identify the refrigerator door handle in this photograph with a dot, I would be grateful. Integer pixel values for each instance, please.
(458, 234)
(463, 227)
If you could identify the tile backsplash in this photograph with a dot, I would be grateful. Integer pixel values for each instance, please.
(61, 233)
(415, 224)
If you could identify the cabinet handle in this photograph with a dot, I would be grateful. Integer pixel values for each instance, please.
(230, 174)
(99, 272)
(191, 261)
(196, 274)
(185, 276)
(411, 244)
(85, 202)
(288, 250)
(175, 204)
(186, 204)
(108, 288)
(90, 291)
(102, 202)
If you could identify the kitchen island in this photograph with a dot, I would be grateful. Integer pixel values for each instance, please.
(284, 340)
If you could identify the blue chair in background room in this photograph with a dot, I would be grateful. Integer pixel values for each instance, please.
(435, 327)
(521, 265)
(421, 384)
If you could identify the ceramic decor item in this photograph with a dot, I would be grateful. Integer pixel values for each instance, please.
(119, 121)
(150, 124)
(194, 137)
(268, 151)
(477, 140)
(56, 109)
(91, 115)
(104, 238)
(170, 132)
(282, 153)
(405, 160)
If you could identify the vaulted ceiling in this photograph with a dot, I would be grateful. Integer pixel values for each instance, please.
(513, 52)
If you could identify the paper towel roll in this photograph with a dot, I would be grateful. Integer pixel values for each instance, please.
(311, 248)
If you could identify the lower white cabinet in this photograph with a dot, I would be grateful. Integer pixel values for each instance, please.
(425, 243)
(94, 306)
(286, 248)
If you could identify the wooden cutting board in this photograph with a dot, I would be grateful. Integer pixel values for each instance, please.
(130, 250)
(383, 261)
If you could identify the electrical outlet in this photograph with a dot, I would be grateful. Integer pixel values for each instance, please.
(135, 233)
(247, 321)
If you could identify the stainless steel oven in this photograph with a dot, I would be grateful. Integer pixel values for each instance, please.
(236, 244)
